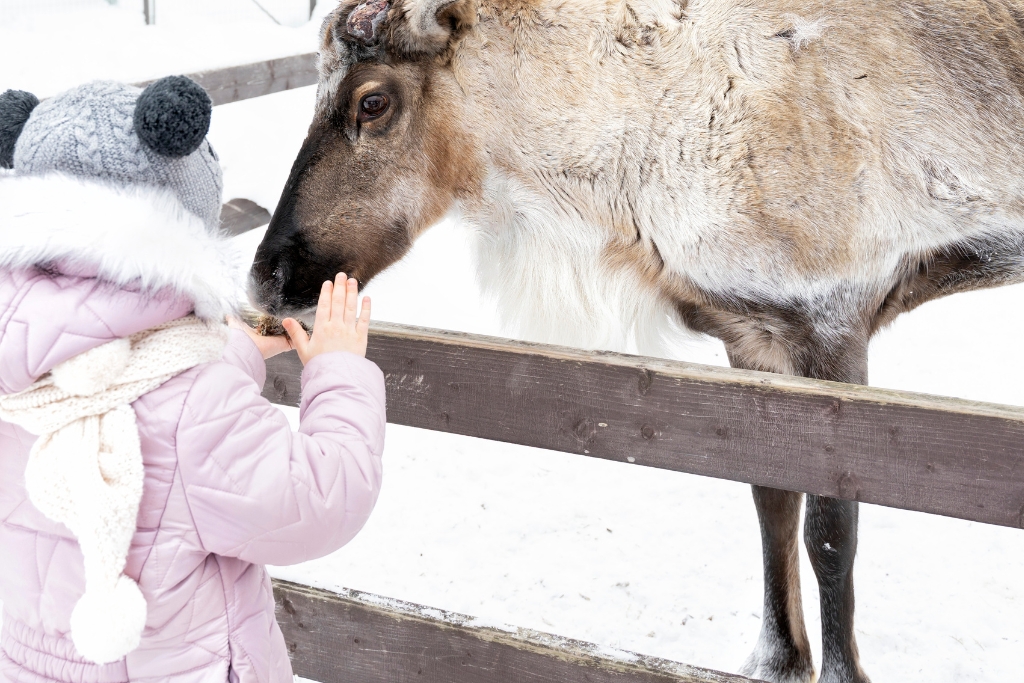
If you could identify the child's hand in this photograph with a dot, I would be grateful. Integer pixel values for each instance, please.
(268, 346)
(336, 326)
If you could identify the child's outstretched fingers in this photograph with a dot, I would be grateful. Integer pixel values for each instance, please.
(363, 325)
(300, 340)
(323, 305)
(351, 301)
(338, 299)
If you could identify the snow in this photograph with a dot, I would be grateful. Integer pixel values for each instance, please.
(645, 560)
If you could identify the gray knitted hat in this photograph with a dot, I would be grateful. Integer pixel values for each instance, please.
(119, 133)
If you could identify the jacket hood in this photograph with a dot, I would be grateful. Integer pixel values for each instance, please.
(128, 236)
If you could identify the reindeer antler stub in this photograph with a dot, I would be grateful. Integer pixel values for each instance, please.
(365, 19)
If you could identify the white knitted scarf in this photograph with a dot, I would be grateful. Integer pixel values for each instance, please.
(85, 469)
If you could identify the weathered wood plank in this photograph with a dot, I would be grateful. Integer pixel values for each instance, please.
(241, 215)
(939, 455)
(245, 81)
(355, 637)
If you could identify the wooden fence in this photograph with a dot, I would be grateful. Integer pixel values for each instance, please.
(939, 455)
(246, 81)
(355, 637)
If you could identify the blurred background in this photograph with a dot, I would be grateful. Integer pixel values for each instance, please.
(282, 12)
(51, 45)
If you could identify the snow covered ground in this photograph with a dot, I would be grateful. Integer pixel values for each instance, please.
(656, 562)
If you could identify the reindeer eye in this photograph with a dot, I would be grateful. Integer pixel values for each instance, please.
(372, 106)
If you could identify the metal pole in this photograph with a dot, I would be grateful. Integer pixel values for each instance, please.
(312, 8)
(149, 8)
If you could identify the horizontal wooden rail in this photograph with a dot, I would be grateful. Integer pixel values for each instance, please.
(939, 455)
(243, 82)
(355, 637)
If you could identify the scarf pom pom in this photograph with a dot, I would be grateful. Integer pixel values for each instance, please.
(107, 624)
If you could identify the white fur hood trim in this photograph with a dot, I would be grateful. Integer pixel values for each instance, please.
(128, 235)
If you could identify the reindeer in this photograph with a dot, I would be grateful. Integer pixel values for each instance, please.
(785, 175)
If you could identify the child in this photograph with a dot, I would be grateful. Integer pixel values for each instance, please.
(143, 479)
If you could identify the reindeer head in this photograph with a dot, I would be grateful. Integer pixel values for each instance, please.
(386, 155)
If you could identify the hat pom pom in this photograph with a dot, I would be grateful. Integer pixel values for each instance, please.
(15, 108)
(172, 116)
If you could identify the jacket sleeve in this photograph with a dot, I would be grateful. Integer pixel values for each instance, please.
(259, 491)
(46, 319)
(244, 355)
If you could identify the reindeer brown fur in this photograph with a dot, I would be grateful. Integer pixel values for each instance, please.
(785, 175)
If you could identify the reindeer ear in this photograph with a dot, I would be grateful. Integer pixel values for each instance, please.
(427, 26)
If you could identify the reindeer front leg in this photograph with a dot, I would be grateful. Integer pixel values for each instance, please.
(782, 653)
(830, 534)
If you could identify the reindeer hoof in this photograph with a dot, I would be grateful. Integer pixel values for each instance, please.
(777, 670)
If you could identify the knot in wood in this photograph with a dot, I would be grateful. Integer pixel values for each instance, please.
(584, 430)
(648, 432)
(280, 387)
(645, 381)
(849, 487)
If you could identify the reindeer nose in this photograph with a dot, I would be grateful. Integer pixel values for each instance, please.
(267, 280)
(270, 273)
(274, 267)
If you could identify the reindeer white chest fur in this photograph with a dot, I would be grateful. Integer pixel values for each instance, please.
(552, 282)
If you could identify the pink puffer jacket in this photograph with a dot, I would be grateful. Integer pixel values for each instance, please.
(228, 486)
